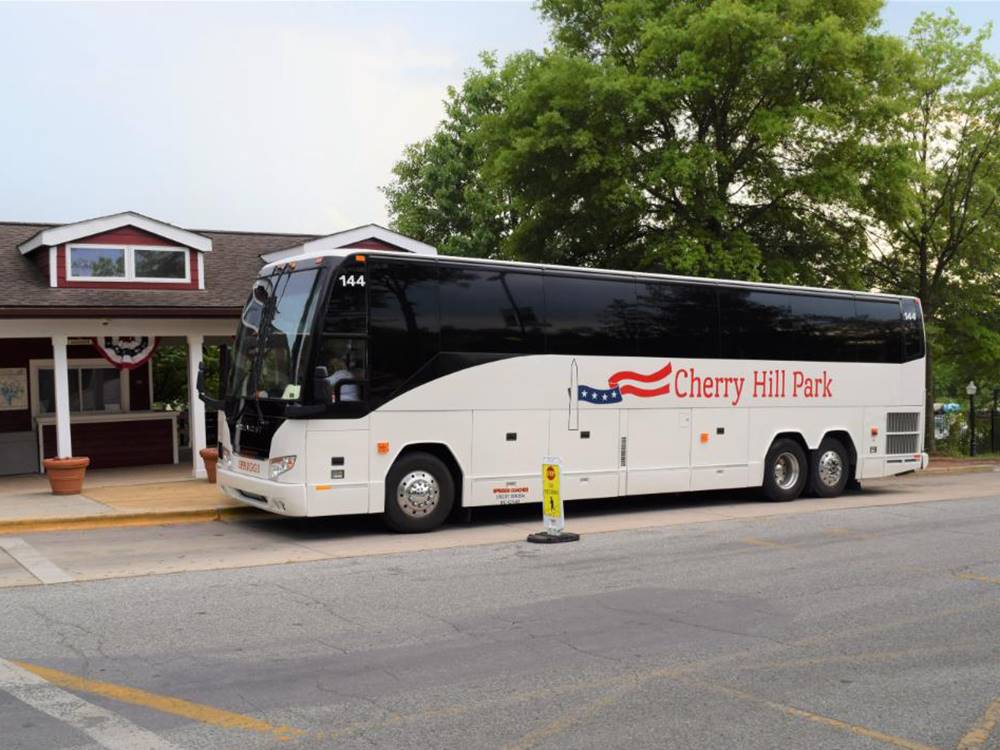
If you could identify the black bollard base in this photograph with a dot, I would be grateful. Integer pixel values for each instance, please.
(544, 537)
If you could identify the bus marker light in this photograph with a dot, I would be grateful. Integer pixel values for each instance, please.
(704, 437)
(874, 431)
(321, 487)
(382, 448)
(359, 258)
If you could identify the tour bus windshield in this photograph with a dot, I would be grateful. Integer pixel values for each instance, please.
(272, 346)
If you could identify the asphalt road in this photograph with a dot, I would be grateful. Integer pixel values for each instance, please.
(850, 628)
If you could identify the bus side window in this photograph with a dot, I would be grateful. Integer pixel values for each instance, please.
(913, 330)
(589, 315)
(879, 331)
(782, 325)
(490, 310)
(676, 320)
(403, 322)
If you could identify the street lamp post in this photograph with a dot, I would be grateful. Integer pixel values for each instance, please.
(994, 446)
(971, 390)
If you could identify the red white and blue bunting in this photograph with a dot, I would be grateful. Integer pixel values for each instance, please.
(126, 352)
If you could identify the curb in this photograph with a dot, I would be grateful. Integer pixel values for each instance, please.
(112, 520)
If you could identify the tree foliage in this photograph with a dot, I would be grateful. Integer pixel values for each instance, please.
(721, 138)
(944, 246)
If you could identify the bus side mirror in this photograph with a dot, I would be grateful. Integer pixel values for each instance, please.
(321, 386)
(212, 403)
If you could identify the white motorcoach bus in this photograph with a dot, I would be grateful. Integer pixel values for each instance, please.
(382, 382)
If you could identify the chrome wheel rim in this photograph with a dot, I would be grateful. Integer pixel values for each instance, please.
(418, 493)
(786, 470)
(831, 468)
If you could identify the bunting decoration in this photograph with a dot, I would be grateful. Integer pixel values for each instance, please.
(126, 352)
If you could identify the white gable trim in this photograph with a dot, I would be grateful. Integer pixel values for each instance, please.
(71, 232)
(349, 237)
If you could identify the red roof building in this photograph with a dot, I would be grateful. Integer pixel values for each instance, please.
(87, 303)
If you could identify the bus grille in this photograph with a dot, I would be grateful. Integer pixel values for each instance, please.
(896, 444)
(902, 432)
(902, 421)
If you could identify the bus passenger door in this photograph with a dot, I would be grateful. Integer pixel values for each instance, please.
(658, 451)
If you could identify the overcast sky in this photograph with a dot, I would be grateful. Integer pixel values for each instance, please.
(280, 117)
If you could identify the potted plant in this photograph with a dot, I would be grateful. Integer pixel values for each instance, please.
(211, 457)
(66, 474)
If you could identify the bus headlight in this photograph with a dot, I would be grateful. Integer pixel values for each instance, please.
(225, 457)
(278, 466)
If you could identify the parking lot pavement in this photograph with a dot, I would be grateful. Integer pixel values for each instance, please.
(850, 628)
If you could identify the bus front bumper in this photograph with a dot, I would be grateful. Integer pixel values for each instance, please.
(276, 497)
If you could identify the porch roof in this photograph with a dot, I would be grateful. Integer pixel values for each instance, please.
(229, 273)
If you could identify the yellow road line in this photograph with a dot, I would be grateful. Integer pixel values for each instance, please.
(974, 577)
(765, 543)
(195, 711)
(976, 737)
(801, 713)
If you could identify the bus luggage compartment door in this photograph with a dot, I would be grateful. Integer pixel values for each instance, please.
(719, 448)
(658, 451)
(507, 451)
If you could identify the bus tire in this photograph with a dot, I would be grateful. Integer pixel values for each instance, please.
(829, 468)
(419, 493)
(785, 471)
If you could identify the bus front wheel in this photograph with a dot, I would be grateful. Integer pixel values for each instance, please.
(785, 471)
(419, 493)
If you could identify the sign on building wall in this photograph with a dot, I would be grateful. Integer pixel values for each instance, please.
(13, 389)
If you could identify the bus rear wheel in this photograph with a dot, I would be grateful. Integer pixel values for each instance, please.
(829, 469)
(419, 493)
(785, 471)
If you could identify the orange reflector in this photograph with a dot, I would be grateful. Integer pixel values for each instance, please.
(359, 258)
(704, 437)
(383, 448)
(324, 486)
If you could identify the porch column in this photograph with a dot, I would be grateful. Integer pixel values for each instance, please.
(64, 440)
(196, 408)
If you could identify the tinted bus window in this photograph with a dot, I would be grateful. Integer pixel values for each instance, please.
(490, 310)
(589, 315)
(780, 325)
(403, 322)
(346, 311)
(913, 330)
(676, 320)
(879, 331)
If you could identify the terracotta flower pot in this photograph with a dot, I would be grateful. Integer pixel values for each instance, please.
(66, 474)
(211, 457)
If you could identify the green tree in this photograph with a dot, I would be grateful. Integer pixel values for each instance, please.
(438, 194)
(944, 247)
(729, 138)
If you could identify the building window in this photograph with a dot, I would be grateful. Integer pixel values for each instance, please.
(144, 263)
(90, 389)
(97, 262)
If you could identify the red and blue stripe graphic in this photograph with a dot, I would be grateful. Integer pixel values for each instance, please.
(624, 384)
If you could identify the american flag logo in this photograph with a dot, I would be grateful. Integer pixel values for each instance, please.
(623, 384)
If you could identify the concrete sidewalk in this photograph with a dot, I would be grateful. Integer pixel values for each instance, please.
(113, 498)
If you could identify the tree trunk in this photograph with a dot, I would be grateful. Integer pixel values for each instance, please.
(929, 444)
